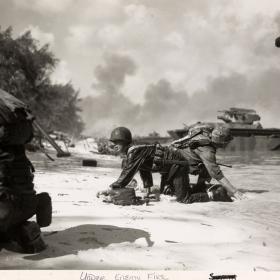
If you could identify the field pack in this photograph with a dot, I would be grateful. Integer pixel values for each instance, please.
(15, 120)
(198, 135)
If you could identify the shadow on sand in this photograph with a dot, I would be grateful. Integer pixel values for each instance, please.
(85, 237)
(253, 191)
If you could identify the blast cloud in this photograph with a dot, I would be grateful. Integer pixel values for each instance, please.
(166, 108)
(110, 107)
(111, 76)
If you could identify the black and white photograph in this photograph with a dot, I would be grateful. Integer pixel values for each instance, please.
(140, 138)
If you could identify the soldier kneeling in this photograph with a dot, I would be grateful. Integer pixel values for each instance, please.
(148, 159)
(18, 199)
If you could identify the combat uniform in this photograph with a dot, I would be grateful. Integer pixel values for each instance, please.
(18, 199)
(151, 158)
(202, 162)
(200, 157)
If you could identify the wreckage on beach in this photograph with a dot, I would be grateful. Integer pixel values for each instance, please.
(248, 134)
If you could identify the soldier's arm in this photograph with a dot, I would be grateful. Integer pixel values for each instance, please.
(208, 157)
(231, 190)
(133, 162)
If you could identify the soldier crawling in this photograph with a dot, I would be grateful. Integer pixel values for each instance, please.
(199, 148)
(175, 165)
(18, 199)
(148, 159)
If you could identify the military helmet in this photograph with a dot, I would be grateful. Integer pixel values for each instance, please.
(221, 135)
(219, 193)
(121, 134)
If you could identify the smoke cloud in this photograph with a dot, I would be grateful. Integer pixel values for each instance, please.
(255, 85)
(166, 108)
(110, 108)
(111, 75)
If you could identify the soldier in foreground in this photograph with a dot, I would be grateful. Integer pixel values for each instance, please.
(199, 148)
(147, 159)
(18, 199)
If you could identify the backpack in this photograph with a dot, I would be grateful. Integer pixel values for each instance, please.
(124, 196)
(12, 109)
(199, 134)
(15, 120)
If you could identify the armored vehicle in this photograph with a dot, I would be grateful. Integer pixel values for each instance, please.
(247, 132)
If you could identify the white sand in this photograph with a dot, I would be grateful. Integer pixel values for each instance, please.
(89, 234)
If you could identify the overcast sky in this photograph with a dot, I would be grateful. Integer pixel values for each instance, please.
(155, 64)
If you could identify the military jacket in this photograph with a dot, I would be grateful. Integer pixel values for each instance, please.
(139, 158)
(207, 156)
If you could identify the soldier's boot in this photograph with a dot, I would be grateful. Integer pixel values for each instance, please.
(44, 209)
(168, 190)
(29, 238)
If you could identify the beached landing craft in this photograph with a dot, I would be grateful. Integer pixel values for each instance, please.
(244, 125)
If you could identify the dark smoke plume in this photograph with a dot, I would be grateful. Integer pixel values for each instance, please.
(165, 108)
(110, 107)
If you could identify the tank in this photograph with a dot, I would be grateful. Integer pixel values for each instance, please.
(247, 131)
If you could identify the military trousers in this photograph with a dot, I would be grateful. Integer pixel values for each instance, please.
(177, 180)
(18, 200)
(15, 210)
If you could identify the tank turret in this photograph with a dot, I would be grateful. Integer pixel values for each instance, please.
(240, 116)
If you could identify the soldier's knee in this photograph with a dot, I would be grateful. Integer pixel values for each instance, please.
(5, 213)
(29, 238)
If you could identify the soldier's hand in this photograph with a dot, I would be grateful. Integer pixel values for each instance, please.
(104, 192)
(98, 194)
(237, 195)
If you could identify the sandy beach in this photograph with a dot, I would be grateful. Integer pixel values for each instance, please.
(87, 233)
